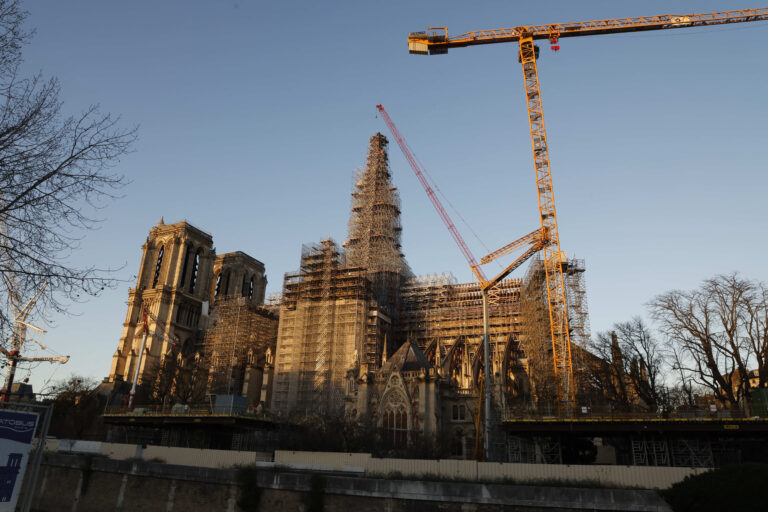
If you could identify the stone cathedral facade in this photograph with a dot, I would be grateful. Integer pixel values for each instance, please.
(180, 282)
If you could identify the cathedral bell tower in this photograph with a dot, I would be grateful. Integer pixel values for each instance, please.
(174, 284)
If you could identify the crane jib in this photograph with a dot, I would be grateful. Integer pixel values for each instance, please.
(436, 41)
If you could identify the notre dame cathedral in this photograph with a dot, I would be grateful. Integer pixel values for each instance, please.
(354, 333)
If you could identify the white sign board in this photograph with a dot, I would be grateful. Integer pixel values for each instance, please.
(16, 432)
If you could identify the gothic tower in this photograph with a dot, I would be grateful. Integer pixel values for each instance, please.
(174, 283)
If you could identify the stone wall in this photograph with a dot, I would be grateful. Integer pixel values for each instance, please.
(92, 483)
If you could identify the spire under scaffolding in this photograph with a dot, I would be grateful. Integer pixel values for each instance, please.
(374, 225)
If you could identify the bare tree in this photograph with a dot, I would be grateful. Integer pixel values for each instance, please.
(720, 334)
(635, 362)
(647, 361)
(54, 174)
(609, 375)
(180, 379)
(76, 407)
(683, 392)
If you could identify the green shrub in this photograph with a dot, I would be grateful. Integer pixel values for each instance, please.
(732, 488)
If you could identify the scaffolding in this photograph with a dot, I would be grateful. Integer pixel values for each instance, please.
(237, 345)
(436, 308)
(324, 306)
(373, 243)
(578, 321)
(576, 295)
(536, 332)
(346, 306)
(343, 305)
(446, 320)
(374, 224)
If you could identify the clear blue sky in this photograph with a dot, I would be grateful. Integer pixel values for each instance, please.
(254, 115)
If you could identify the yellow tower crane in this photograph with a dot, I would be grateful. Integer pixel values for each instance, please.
(437, 41)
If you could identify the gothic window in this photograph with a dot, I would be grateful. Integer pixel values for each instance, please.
(250, 289)
(218, 284)
(244, 288)
(184, 267)
(395, 423)
(157, 266)
(223, 288)
(459, 413)
(195, 268)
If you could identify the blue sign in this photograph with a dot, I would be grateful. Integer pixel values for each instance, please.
(18, 426)
(17, 429)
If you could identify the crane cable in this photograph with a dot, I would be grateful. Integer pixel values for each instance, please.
(434, 185)
(450, 204)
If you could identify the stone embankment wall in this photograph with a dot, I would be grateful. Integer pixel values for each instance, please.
(84, 483)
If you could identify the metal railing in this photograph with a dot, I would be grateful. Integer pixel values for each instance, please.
(185, 411)
(608, 413)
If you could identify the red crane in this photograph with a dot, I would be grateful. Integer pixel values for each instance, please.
(432, 196)
(536, 239)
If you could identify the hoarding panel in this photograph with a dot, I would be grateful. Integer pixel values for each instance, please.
(17, 429)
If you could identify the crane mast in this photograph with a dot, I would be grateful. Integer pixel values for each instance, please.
(436, 41)
(553, 258)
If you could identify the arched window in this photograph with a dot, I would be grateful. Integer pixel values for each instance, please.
(250, 289)
(184, 267)
(395, 423)
(218, 285)
(195, 268)
(224, 285)
(244, 288)
(158, 265)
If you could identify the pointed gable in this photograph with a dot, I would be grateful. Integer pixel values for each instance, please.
(408, 357)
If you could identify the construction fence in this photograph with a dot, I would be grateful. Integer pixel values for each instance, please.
(622, 477)
(170, 455)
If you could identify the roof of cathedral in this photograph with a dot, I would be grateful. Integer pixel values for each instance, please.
(408, 357)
